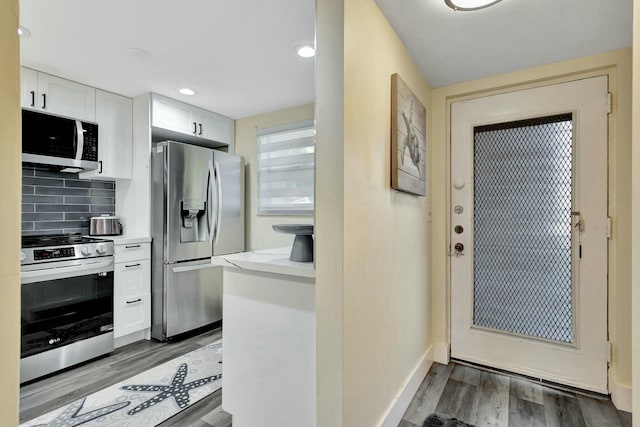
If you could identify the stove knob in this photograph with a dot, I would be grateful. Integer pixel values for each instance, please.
(100, 250)
(85, 251)
(22, 256)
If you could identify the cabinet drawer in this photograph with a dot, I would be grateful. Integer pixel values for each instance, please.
(131, 314)
(132, 278)
(132, 252)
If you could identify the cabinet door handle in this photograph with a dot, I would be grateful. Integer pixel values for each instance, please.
(195, 128)
(99, 166)
(44, 101)
(132, 265)
(134, 301)
(33, 98)
(131, 246)
(200, 133)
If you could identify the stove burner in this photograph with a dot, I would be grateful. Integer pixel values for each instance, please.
(57, 240)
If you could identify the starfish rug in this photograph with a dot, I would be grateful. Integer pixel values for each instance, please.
(146, 399)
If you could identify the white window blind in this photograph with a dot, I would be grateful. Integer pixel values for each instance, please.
(286, 169)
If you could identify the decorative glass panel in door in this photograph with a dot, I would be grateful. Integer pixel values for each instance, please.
(522, 227)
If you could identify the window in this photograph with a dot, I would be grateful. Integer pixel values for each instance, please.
(286, 169)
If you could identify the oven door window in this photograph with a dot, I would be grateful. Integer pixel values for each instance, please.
(59, 312)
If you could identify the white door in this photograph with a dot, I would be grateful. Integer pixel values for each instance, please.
(529, 232)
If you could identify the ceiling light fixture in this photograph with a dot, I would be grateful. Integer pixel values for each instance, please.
(465, 5)
(305, 51)
(23, 32)
(187, 91)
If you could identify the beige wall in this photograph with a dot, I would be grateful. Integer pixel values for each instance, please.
(10, 177)
(384, 283)
(635, 229)
(258, 232)
(617, 65)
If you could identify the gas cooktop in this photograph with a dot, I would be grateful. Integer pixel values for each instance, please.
(45, 240)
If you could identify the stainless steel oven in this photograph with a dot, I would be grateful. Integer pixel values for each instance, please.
(67, 302)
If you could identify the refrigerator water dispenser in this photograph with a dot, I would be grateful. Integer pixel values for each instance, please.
(194, 221)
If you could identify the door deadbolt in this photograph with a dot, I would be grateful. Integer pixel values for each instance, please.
(458, 229)
(459, 247)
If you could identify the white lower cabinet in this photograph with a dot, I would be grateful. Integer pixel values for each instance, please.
(132, 289)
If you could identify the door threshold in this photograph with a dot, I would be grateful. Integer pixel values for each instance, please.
(540, 381)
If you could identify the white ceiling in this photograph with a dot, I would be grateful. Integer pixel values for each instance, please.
(451, 47)
(239, 54)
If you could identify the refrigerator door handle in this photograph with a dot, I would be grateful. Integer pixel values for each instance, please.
(218, 224)
(210, 218)
(192, 268)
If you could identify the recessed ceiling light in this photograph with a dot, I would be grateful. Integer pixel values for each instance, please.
(23, 32)
(470, 4)
(187, 91)
(305, 51)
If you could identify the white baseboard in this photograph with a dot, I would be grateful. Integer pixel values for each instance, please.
(131, 338)
(441, 353)
(401, 401)
(621, 397)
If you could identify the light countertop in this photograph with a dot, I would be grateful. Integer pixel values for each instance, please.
(267, 260)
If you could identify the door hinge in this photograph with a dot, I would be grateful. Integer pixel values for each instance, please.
(608, 102)
(609, 228)
(609, 352)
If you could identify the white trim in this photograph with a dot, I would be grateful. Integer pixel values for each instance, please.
(441, 352)
(401, 401)
(621, 397)
(131, 338)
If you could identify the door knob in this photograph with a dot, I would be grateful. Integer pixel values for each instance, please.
(459, 247)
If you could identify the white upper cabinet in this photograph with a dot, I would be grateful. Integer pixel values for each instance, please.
(192, 122)
(114, 115)
(173, 115)
(44, 92)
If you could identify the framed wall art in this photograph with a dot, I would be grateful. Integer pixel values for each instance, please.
(408, 140)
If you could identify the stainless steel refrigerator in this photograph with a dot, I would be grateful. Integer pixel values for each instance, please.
(197, 211)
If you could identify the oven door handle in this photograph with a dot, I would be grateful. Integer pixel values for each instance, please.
(65, 272)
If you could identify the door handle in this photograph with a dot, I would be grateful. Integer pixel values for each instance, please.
(33, 98)
(44, 101)
(131, 246)
(195, 128)
(210, 217)
(134, 301)
(79, 140)
(218, 180)
(200, 133)
(132, 265)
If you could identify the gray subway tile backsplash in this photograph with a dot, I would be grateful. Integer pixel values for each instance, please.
(58, 202)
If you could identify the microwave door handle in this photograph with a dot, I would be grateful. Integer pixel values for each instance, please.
(79, 139)
(210, 218)
(218, 180)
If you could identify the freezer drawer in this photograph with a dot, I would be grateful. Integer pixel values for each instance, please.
(191, 298)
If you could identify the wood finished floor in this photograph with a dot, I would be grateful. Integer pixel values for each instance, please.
(41, 396)
(477, 397)
(488, 399)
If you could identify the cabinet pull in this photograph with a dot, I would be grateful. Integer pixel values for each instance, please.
(131, 246)
(134, 301)
(33, 98)
(44, 101)
(132, 265)
(195, 128)
(200, 133)
(99, 166)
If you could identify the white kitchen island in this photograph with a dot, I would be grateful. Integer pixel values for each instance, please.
(269, 369)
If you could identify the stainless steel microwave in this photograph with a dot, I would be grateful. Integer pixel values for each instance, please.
(58, 143)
